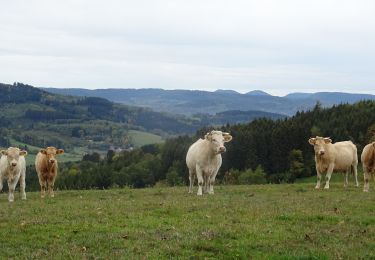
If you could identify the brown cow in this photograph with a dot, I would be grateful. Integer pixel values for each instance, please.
(46, 167)
(368, 164)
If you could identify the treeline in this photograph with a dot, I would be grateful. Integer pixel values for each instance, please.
(262, 151)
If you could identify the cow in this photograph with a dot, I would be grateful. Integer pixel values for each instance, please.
(203, 160)
(368, 164)
(337, 157)
(46, 167)
(13, 168)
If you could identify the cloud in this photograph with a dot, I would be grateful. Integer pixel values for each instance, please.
(277, 46)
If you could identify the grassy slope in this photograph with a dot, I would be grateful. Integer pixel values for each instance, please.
(143, 138)
(265, 221)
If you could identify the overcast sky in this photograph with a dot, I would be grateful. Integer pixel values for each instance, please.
(272, 45)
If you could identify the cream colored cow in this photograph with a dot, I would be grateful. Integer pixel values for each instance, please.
(13, 168)
(204, 160)
(368, 164)
(337, 157)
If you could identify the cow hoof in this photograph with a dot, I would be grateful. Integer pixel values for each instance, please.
(365, 190)
(23, 198)
(326, 188)
(199, 194)
(317, 187)
(52, 195)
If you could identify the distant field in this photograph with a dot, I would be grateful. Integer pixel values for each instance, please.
(76, 155)
(143, 138)
(260, 221)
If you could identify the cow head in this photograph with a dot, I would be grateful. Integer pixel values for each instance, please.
(13, 154)
(217, 140)
(319, 144)
(51, 153)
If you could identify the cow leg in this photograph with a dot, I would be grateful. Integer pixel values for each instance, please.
(366, 177)
(346, 178)
(1, 183)
(50, 188)
(212, 182)
(43, 186)
(191, 180)
(200, 181)
(328, 176)
(23, 185)
(12, 186)
(318, 178)
(356, 175)
(206, 183)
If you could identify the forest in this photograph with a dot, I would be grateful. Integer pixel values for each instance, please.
(262, 151)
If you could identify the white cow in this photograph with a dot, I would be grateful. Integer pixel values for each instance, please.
(204, 160)
(13, 168)
(339, 157)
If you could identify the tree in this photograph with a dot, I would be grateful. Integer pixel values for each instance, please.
(296, 163)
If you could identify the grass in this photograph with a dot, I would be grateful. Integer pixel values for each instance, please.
(260, 221)
(140, 138)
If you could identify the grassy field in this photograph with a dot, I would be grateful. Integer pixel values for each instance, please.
(260, 221)
(143, 138)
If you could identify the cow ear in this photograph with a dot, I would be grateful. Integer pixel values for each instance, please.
(227, 137)
(23, 153)
(4, 152)
(208, 137)
(312, 141)
(327, 140)
(43, 151)
(59, 151)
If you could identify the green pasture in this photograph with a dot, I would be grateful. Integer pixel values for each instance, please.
(285, 221)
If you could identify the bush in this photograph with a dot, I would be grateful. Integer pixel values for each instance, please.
(252, 177)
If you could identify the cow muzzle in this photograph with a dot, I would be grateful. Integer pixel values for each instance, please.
(222, 149)
(13, 164)
(52, 161)
(321, 152)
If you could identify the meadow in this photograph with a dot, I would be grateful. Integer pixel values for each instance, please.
(285, 221)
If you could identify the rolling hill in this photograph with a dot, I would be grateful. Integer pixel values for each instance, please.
(32, 117)
(189, 102)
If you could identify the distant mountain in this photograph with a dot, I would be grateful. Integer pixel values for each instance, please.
(226, 91)
(331, 98)
(236, 117)
(299, 95)
(257, 93)
(190, 102)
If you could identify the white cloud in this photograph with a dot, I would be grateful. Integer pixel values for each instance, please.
(277, 46)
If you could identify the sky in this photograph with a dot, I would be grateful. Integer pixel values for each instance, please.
(271, 45)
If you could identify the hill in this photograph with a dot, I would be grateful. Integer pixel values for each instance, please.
(245, 222)
(331, 98)
(189, 102)
(32, 117)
